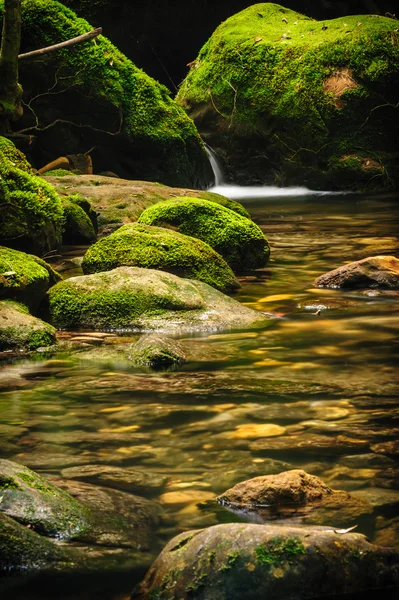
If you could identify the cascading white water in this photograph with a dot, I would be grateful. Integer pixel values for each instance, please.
(215, 164)
(264, 191)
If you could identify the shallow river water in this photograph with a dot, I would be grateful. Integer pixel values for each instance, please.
(316, 389)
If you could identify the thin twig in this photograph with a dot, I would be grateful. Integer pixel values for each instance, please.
(67, 44)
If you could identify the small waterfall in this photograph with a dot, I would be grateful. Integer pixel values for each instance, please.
(215, 164)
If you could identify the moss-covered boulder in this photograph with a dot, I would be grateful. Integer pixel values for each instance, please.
(149, 247)
(157, 352)
(32, 500)
(237, 560)
(31, 215)
(24, 277)
(371, 272)
(287, 99)
(238, 239)
(135, 299)
(120, 201)
(78, 227)
(100, 98)
(20, 331)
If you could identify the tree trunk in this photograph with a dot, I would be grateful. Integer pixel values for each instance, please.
(10, 90)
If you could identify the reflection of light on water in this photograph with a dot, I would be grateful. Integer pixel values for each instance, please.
(270, 191)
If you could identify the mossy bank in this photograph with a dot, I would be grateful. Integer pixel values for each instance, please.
(100, 98)
(286, 99)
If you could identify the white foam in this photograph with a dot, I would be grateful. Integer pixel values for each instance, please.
(267, 191)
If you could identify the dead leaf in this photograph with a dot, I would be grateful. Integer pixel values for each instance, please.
(258, 39)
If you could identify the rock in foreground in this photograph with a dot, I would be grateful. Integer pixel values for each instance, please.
(20, 331)
(134, 299)
(371, 272)
(236, 561)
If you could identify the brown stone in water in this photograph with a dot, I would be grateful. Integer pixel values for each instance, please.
(374, 271)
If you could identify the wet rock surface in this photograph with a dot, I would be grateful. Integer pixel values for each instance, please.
(371, 272)
(232, 561)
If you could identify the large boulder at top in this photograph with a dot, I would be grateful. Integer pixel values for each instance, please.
(33, 501)
(24, 277)
(135, 299)
(371, 272)
(235, 561)
(238, 239)
(287, 99)
(295, 494)
(120, 201)
(20, 331)
(31, 216)
(99, 99)
(149, 247)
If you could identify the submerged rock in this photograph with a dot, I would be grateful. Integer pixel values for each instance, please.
(24, 277)
(138, 245)
(35, 502)
(235, 561)
(238, 239)
(295, 494)
(20, 331)
(371, 272)
(157, 352)
(285, 98)
(134, 299)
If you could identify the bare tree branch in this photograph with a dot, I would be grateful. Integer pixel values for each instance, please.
(67, 44)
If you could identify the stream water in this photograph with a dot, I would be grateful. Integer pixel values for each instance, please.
(323, 371)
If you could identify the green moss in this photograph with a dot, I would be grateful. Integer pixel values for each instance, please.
(240, 241)
(279, 551)
(19, 330)
(58, 173)
(157, 248)
(30, 211)
(78, 227)
(141, 106)
(8, 483)
(292, 92)
(197, 584)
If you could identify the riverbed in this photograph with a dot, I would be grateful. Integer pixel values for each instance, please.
(316, 389)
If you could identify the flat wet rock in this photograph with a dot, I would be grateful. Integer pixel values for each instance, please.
(374, 271)
(127, 479)
(306, 443)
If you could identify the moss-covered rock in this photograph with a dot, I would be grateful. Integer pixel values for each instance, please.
(31, 215)
(78, 227)
(22, 549)
(287, 99)
(135, 299)
(238, 239)
(237, 560)
(20, 331)
(138, 245)
(25, 277)
(136, 128)
(32, 500)
(120, 201)
(157, 352)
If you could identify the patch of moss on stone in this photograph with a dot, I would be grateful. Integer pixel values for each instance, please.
(238, 239)
(279, 551)
(57, 173)
(30, 212)
(286, 97)
(20, 331)
(78, 228)
(157, 248)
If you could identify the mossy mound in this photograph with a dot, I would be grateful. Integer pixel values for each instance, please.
(157, 352)
(78, 227)
(138, 245)
(238, 239)
(32, 500)
(135, 299)
(31, 215)
(136, 128)
(57, 173)
(20, 331)
(288, 99)
(24, 277)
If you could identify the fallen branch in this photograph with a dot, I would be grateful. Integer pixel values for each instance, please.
(72, 42)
